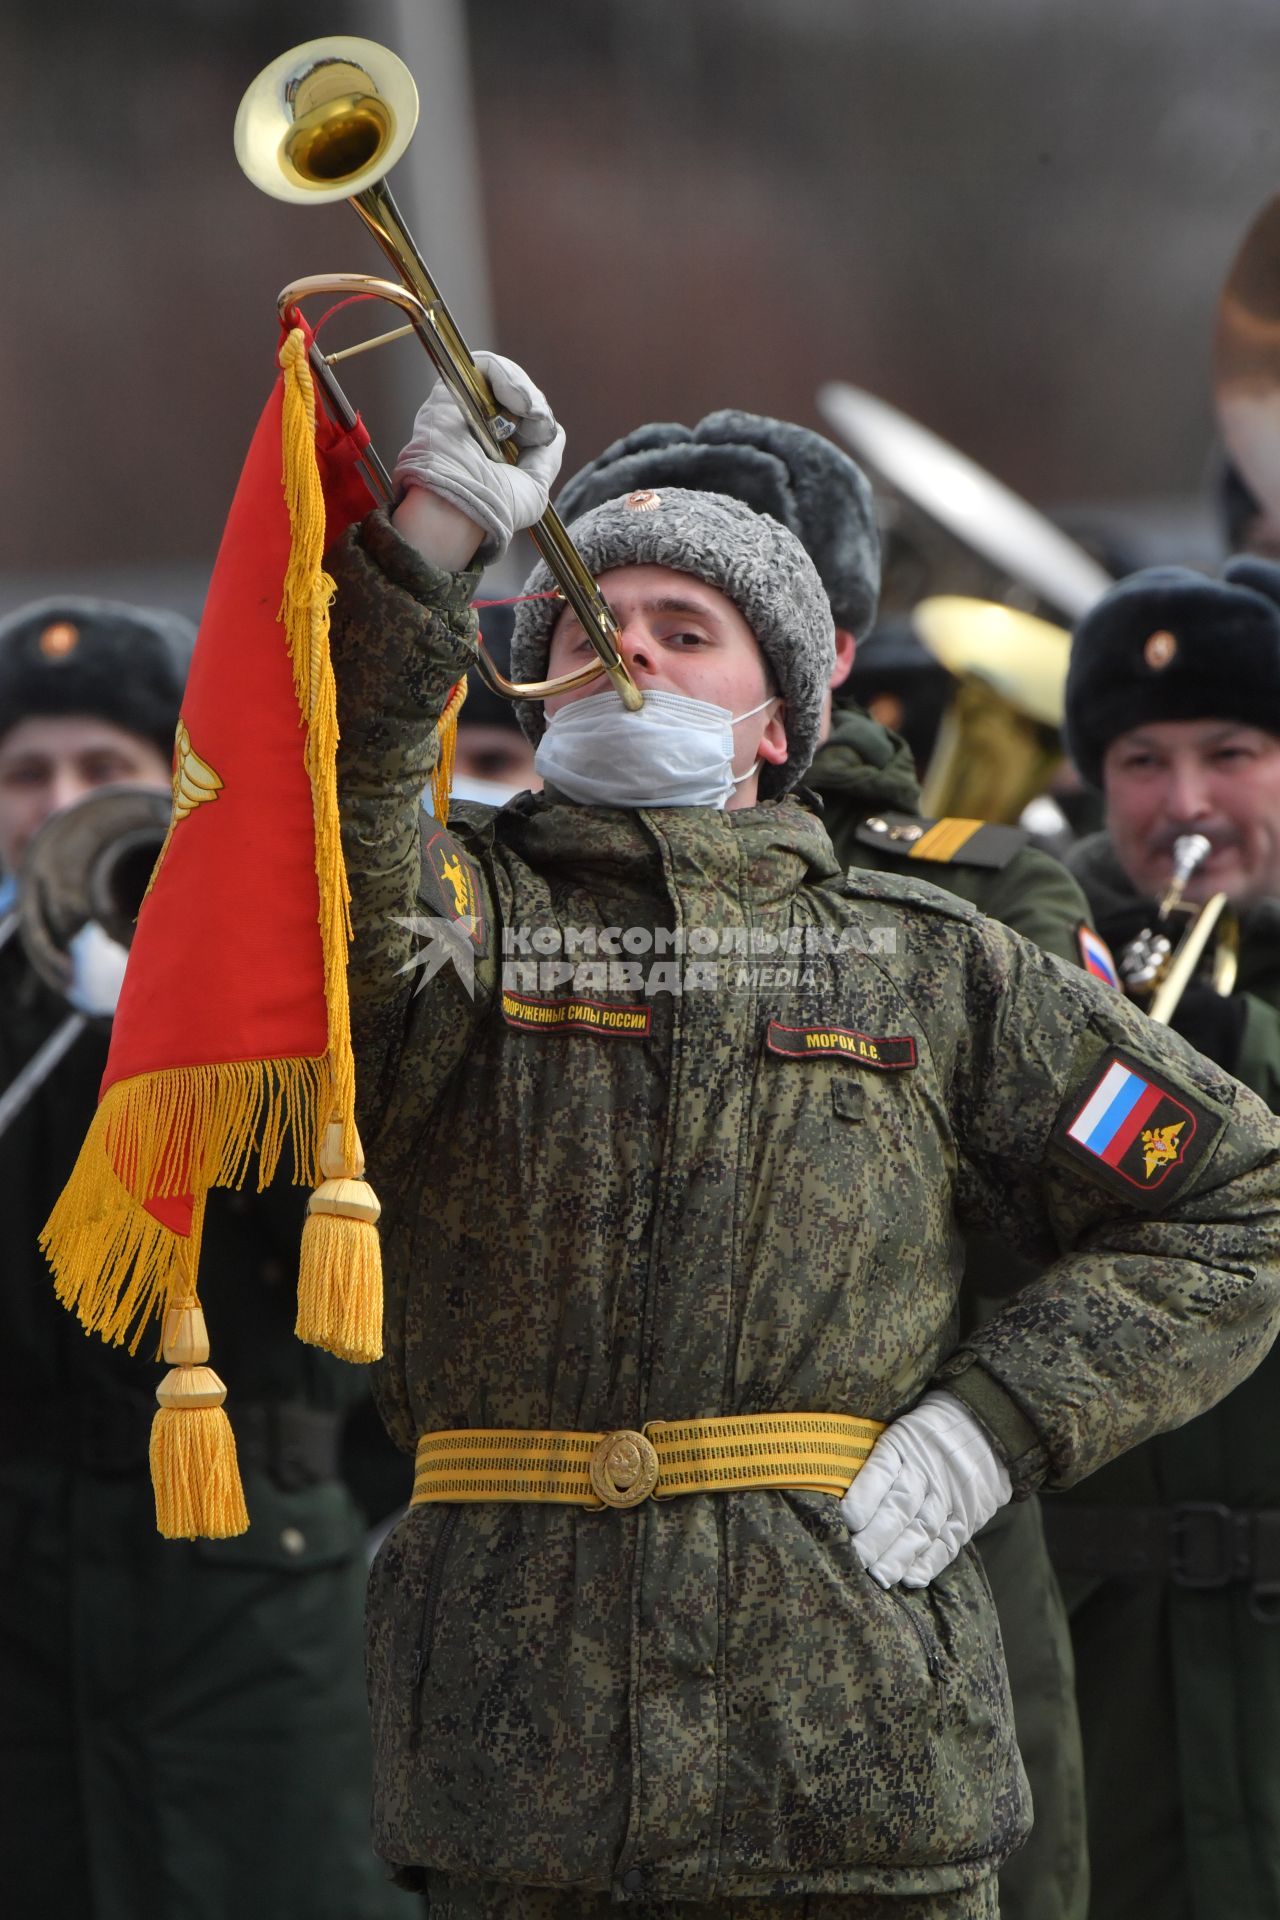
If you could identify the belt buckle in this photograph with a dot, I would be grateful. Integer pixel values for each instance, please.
(624, 1468)
(1207, 1546)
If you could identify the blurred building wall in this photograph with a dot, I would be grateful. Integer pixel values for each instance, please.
(1011, 219)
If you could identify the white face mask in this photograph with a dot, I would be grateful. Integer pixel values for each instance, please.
(676, 752)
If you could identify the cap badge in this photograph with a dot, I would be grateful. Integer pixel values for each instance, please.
(643, 500)
(57, 641)
(1159, 650)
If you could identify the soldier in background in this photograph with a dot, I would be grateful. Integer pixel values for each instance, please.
(1170, 1557)
(183, 1729)
(900, 685)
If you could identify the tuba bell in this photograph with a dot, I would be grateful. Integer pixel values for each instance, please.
(1246, 362)
(1000, 741)
(991, 587)
(326, 121)
(87, 867)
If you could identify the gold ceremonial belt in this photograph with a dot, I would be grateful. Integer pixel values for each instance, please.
(810, 1452)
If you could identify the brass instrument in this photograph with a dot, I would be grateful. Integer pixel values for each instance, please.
(975, 568)
(1246, 360)
(999, 744)
(91, 861)
(1159, 964)
(326, 121)
(965, 531)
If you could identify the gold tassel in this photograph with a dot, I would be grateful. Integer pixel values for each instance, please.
(340, 1272)
(193, 1451)
(447, 737)
(113, 1261)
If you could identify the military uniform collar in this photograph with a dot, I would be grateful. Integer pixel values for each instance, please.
(865, 763)
(778, 845)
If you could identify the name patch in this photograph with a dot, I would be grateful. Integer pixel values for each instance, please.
(582, 1016)
(887, 1053)
(1134, 1132)
(456, 882)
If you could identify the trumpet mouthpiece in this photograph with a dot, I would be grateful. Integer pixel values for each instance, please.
(1189, 851)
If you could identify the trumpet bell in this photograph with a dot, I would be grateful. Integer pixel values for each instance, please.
(326, 120)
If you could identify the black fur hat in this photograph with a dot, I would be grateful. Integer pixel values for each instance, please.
(796, 475)
(1170, 644)
(72, 655)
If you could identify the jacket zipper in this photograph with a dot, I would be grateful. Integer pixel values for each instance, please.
(427, 1627)
(927, 1646)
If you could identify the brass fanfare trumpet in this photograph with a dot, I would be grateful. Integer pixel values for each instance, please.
(326, 121)
(1159, 964)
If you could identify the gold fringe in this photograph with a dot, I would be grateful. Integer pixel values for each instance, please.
(340, 1272)
(114, 1263)
(447, 733)
(304, 612)
(340, 1287)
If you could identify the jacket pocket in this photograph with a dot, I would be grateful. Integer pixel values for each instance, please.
(869, 1729)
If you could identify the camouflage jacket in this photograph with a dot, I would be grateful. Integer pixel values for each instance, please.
(606, 1205)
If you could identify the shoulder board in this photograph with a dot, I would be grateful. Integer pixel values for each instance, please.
(950, 842)
(905, 890)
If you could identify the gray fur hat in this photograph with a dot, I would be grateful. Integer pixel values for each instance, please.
(774, 466)
(754, 561)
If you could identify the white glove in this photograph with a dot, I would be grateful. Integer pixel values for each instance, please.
(97, 971)
(444, 456)
(931, 1480)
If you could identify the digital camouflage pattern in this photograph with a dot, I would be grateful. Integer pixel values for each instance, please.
(706, 1698)
(864, 771)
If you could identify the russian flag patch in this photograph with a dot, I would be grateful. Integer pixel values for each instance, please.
(1095, 956)
(1134, 1132)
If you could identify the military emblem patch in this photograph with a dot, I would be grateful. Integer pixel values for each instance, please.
(887, 1054)
(1134, 1132)
(456, 881)
(618, 1019)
